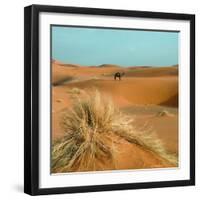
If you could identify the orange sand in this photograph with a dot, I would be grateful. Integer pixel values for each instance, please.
(143, 92)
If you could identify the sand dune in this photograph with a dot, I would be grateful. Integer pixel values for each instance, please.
(160, 90)
(132, 156)
(172, 101)
(128, 156)
(152, 71)
(143, 93)
(62, 72)
(109, 65)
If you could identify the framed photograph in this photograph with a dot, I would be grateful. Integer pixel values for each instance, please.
(109, 99)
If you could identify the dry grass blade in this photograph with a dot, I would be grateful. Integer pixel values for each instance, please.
(88, 127)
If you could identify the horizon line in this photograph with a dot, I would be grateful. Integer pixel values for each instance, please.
(66, 63)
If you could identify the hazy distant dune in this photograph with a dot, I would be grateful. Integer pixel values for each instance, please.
(109, 65)
(152, 71)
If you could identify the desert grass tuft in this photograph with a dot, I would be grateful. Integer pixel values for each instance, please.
(89, 126)
(74, 91)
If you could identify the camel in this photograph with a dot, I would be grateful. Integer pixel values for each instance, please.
(118, 75)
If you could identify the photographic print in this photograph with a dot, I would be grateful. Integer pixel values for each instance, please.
(109, 99)
(114, 99)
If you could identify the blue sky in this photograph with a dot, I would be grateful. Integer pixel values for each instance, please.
(96, 46)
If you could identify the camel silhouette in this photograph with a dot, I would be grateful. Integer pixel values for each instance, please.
(118, 75)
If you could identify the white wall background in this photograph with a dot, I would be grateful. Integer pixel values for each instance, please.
(11, 98)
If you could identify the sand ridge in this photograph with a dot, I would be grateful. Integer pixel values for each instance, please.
(143, 92)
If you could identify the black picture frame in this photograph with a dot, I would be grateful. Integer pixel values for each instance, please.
(31, 98)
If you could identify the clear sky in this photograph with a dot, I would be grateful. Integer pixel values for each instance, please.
(96, 46)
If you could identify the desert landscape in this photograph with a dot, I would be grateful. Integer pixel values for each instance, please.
(99, 123)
